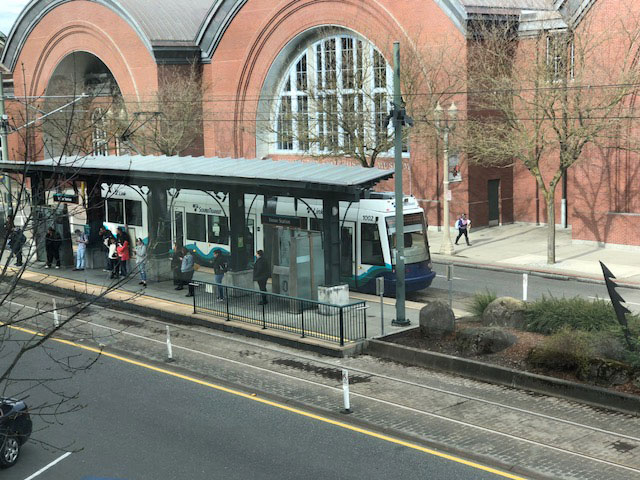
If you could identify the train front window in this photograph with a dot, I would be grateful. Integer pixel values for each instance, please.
(371, 253)
(218, 229)
(415, 236)
(133, 210)
(196, 227)
(115, 211)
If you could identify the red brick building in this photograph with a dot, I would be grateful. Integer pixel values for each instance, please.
(266, 63)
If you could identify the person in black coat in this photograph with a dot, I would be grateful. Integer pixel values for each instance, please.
(176, 264)
(52, 241)
(261, 273)
(16, 242)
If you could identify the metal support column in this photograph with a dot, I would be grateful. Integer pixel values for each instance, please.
(159, 222)
(238, 227)
(96, 252)
(39, 215)
(331, 232)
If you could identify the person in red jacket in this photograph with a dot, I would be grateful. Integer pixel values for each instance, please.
(123, 255)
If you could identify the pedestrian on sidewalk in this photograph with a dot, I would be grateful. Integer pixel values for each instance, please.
(261, 273)
(82, 241)
(219, 269)
(16, 242)
(141, 261)
(114, 259)
(463, 224)
(123, 253)
(52, 241)
(186, 271)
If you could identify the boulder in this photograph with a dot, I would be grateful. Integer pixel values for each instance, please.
(505, 312)
(606, 372)
(483, 340)
(437, 320)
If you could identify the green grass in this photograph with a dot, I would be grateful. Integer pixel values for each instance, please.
(549, 315)
(481, 300)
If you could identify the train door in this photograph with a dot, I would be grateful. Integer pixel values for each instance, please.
(178, 225)
(347, 253)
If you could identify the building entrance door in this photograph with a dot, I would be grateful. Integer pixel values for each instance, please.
(494, 202)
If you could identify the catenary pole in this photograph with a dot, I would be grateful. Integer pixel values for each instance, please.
(4, 134)
(397, 124)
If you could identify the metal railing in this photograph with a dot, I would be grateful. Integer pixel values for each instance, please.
(307, 318)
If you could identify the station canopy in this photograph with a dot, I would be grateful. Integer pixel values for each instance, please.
(270, 177)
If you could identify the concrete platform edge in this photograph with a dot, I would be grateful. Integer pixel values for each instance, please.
(594, 396)
(270, 335)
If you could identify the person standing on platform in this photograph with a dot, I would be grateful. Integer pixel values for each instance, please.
(261, 273)
(186, 271)
(52, 241)
(82, 240)
(123, 253)
(176, 262)
(219, 269)
(105, 235)
(114, 260)
(16, 242)
(141, 261)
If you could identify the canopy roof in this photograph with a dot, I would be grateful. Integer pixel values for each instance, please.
(298, 179)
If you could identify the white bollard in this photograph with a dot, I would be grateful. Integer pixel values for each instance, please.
(525, 286)
(169, 347)
(56, 315)
(345, 391)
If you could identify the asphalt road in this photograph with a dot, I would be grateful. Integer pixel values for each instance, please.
(467, 281)
(138, 423)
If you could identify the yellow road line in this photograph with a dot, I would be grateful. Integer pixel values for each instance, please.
(287, 408)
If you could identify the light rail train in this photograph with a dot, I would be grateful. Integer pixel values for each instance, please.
(200, 221)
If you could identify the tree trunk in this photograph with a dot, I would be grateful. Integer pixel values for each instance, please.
(551, 226)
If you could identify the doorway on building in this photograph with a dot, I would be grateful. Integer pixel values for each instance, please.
(494, 202)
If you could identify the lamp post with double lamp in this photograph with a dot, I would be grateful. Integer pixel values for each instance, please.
(445, 124)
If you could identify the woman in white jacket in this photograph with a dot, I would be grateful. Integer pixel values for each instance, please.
(114, 259)
(141, 261)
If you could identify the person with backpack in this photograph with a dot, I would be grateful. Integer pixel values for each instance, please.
(463, 224)
(52, 241)
(219, 269)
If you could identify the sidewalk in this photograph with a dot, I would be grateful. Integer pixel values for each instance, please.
(523, 247)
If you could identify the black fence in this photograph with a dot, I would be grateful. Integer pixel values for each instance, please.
(308, 318)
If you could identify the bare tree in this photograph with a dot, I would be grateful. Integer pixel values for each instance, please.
(29, 320)
(170, 121)
(543, 101)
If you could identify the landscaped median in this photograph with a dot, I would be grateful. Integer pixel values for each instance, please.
(573, 348)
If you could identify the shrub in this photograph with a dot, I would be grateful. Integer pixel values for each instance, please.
(550, 315)
(566, 350)
(481, 300)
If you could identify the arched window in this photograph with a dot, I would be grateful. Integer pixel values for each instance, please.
(99, 135)
(334, 99)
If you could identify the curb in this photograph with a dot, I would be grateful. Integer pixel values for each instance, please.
(590, 395)
(536, 273)
(270, 335)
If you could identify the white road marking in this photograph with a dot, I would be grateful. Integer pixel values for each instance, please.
(608, 300)
(47, 467)
(455, 278)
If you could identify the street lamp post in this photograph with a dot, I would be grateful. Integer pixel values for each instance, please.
(446, 124)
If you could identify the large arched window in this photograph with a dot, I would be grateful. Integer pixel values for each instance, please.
(99, 134)
(334, 99)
